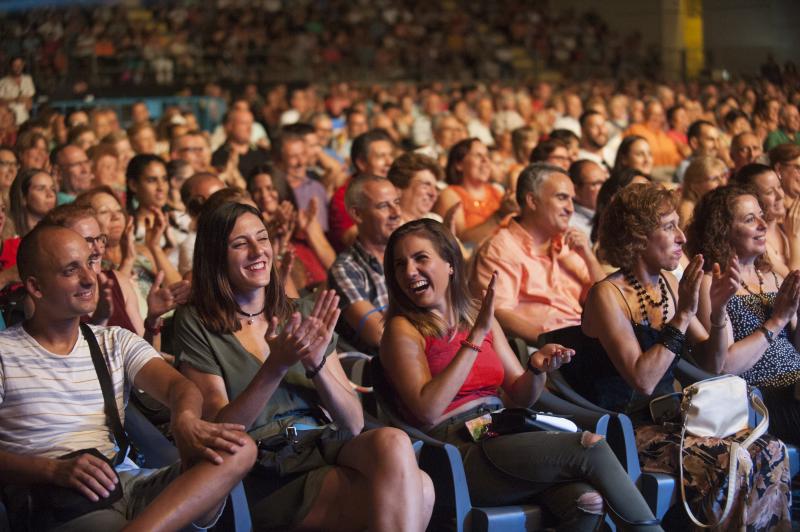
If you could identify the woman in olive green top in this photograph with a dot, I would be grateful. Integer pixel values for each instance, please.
(260, 364)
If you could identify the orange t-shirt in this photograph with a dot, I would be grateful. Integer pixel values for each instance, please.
(478, 211)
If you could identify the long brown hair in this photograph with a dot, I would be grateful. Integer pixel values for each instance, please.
(212, 293)
(460, 300)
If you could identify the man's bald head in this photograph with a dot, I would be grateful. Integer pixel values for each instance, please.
(37, 249)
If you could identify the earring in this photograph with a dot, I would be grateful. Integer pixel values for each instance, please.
(452, 271)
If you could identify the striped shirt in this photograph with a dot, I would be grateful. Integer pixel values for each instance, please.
(51, 405)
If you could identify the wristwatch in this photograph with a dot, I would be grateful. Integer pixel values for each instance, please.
(769, 335)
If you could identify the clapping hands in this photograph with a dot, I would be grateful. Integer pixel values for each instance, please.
(304, 339)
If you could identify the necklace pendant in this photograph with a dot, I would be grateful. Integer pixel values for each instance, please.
(249, 321)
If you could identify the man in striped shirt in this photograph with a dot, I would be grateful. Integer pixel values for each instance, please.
(51, 404)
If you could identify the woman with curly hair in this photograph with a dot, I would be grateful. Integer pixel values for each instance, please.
(639, 320)
(760, 321)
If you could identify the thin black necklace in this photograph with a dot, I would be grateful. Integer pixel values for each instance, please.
(643, 296)
(248, 315)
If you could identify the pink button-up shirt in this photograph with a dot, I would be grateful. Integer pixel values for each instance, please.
(546, 290)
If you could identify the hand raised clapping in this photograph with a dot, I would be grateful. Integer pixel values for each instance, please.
(304, 339)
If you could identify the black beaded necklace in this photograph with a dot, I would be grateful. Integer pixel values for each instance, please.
(643, 296)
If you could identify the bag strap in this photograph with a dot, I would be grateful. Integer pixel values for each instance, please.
(733, 461)
(109, 398)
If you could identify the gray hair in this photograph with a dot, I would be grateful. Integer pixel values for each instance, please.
(354, 195)
(531, 179)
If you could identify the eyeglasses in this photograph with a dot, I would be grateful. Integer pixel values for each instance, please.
(8, 164)
(99, 239)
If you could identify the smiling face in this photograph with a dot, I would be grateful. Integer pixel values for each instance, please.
(665, 244)
(476, 167)
(264, 193)
(421, 273)
(749, 230)
(89, 229)
(771, 195)
(553, 208)
(640, 157)
(380, 156)
(110, 216)
(249, 254)
(420, 195)
(379, 214)
(64, 284)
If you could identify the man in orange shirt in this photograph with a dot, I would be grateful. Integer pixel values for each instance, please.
(545, 267)
(665, 153)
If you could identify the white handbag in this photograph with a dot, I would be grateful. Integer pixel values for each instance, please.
(720, 407)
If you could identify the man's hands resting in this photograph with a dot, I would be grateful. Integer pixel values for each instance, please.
(202, 440)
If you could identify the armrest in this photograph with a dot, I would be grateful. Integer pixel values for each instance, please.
(157, 450)
(687, 373)
(443, 463)
(563, 389)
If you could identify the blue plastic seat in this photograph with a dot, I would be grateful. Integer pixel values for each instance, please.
(443, 463)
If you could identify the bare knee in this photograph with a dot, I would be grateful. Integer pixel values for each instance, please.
(390, 445)
(590, 502)
(588, 439)
(428, 492)
(245, 456)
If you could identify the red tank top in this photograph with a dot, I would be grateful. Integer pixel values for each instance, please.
(487, 371)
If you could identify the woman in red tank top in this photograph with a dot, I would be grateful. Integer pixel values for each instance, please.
(447, 360)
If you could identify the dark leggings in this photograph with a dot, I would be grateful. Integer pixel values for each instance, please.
(552, 468)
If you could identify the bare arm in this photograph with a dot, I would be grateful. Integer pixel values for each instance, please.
(606, 319)
(515, 324)
(579, 242)
(372, 328)
(740, 356)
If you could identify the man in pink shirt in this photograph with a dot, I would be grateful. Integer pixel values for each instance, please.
(545, 267)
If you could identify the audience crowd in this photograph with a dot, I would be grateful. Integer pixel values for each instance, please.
(425, 225)
(227, 41)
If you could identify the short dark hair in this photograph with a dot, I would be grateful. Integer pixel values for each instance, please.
(545, 148)
(564, 135)
(586, 115)
(575, 171)
(696, 128)
(747, 173)
(359, 151)
(300, 129)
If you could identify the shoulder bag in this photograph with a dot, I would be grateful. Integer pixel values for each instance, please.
(62, 504)
(718, 407)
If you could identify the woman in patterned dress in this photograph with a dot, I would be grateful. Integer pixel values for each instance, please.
(761, 319)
